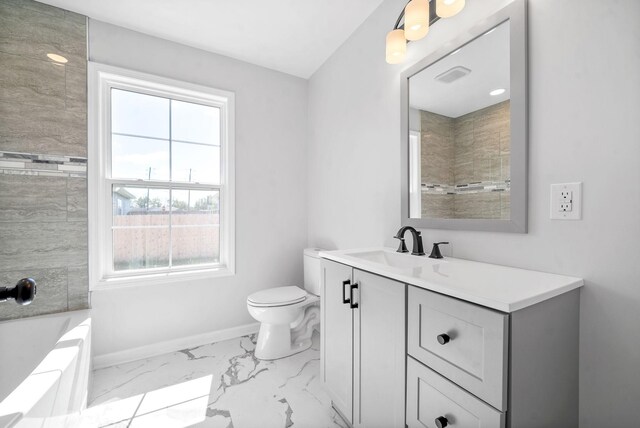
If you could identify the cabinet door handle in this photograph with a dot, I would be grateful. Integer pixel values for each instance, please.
(352, 304)
(344, 294)
(444, 338)
(441, 422)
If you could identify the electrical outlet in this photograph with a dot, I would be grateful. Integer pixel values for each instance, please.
(565, 206)
(566, 201)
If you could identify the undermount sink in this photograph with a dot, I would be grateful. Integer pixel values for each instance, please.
(395, 260)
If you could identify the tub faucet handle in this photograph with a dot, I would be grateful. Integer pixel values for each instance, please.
(24, 292)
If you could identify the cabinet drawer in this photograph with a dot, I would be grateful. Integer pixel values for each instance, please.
(430, 396)
(472, 351)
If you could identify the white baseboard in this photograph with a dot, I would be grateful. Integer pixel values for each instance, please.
(155, 349)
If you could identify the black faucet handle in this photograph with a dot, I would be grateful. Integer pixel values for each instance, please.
(23, 293)
(435, 251)
(402, 248)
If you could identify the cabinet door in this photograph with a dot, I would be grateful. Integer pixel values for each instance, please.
(379, 352)
(337, 337)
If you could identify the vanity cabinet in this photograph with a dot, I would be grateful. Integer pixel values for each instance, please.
(476, 367)
(363, 345)
(417, 342)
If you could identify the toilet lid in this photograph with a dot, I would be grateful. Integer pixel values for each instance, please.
(278, 296)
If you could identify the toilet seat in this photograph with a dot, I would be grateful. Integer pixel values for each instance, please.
(279, 296)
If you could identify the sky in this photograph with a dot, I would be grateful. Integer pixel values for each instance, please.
(163, 139)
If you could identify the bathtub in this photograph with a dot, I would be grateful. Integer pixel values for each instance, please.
(45, 368)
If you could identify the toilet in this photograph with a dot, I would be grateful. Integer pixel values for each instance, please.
(288, 315)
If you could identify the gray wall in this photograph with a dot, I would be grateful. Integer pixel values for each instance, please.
(43, 144)
(271, 119)
(584, 59)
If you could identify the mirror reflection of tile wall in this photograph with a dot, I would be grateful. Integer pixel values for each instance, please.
(465, 164)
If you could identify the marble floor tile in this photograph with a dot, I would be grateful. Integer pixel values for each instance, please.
(216, 385)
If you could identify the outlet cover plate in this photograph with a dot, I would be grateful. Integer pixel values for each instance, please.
(566, 201)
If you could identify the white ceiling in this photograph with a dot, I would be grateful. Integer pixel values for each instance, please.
(292, 36)
(488, 59)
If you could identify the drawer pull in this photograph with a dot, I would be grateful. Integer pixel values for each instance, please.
(441, 422)
(443, 339)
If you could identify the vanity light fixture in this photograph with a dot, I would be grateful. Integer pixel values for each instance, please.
(413, 24)
(449, 8)
(396, 46)
(416, 19)
(57, 58)
(497, 92)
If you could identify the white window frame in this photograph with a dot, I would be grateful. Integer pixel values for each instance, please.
(102, 78)
(415, 175)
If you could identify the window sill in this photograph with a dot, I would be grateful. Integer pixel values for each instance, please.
(165, 278)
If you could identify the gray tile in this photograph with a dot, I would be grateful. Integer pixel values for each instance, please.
(478, 205)
(36, 7)
(41, 166)
(492, 118)
(486, 144)
(78, 289)
(29, 198)
(51, 295)
(505, 167)
(76, 89)
(25, 31)
(482, 169)
(505, 142)
(35, 129)
(464, 172)
(30, 81)
(437, 206)
(75, 17)
(41, 245)
(76, 199)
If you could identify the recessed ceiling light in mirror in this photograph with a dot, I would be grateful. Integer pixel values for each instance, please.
(497, 92)
(57, 58)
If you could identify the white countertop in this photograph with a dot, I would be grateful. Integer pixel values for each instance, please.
(503, 288)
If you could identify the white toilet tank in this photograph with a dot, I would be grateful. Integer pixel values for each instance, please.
(312, 270)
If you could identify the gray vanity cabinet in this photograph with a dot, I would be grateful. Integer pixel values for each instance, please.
(363, 345)
(476, 367)
(398, 354)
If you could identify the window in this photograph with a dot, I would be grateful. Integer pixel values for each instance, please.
(160, 179)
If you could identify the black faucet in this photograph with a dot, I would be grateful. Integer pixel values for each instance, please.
(417, 241)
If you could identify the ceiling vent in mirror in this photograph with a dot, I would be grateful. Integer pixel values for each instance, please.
(452, 74)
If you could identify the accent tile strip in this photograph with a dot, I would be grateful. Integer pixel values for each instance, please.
(44, 165)
(460, 189)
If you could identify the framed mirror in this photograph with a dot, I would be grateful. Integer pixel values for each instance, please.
(464, 130)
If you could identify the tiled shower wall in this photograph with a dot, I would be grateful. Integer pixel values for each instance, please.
(43, 146)
(470, 153)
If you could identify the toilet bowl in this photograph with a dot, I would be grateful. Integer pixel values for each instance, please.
(288, 315)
